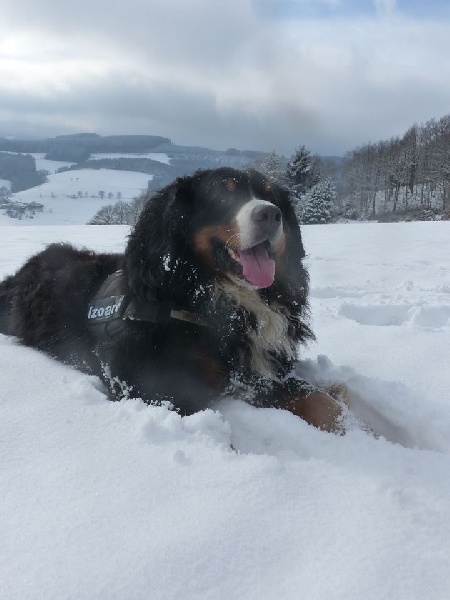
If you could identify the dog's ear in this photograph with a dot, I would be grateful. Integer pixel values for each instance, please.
(159, 241)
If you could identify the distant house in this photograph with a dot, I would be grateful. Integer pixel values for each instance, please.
(36, 206)
(20, 210)
(16, 210)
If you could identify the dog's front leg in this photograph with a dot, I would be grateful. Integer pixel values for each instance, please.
(314, 406)
(317, 408)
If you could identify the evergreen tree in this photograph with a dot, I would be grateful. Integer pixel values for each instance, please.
(317, 203)
(272, 168)
(301, 172)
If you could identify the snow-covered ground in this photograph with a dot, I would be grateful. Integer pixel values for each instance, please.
(43, 164)
(63, 205)
(104, 500)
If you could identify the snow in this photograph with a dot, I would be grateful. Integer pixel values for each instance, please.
(5, 183)
(62, 209)
(43, 164)
(121, 500)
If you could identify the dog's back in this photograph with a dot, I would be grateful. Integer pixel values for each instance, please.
(45, 303)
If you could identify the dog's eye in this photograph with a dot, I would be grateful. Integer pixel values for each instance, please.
(230, 184)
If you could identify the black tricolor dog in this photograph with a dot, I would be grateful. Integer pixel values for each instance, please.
(209, 297)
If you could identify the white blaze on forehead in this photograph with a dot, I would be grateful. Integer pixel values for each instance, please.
(245, 224)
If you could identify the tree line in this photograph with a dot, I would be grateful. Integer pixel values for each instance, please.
(403, 178)
(407, 175)
(20, 170)
(77, 147)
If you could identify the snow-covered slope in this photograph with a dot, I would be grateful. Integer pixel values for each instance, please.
(106, 500)
(73, 197)
(43, 164)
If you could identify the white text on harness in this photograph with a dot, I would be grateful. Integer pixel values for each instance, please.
(110, 309)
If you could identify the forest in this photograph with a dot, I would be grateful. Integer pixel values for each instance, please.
(20, 171)
(407, 176)
(400, 179)
(78, 147)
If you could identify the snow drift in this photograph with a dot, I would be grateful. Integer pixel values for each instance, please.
(122, 500)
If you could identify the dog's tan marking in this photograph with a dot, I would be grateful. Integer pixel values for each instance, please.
(318, 409)
(211, 371)
(228, 233)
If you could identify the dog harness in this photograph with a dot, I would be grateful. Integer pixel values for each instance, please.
(110, 308)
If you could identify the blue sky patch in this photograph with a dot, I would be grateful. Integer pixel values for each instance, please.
(306, 9)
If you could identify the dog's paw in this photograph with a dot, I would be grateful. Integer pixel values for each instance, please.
(340, 392)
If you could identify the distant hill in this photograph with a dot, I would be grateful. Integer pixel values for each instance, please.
(82, 150)
(67, 179)
(93, 143)
(80, 146)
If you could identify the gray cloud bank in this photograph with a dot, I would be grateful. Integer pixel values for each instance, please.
(216, 73)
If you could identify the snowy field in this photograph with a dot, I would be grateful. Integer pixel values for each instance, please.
(108, 501)
(43, 164)
(63, 205)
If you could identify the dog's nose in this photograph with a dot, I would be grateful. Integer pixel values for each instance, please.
(266, 215)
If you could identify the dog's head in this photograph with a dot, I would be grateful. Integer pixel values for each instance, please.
(238, 228)
(220, 223)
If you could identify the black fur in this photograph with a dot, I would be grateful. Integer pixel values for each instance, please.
(45, 303)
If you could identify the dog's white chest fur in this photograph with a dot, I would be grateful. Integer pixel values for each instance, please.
(271, 334)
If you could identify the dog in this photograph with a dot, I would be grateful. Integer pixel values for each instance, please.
(209, 298)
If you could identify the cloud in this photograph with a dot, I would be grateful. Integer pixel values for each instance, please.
(221, 73)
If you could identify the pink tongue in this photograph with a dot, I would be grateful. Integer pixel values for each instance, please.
(258, 268)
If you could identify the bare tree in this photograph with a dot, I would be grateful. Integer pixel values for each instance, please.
(121, 213)
(407, 173)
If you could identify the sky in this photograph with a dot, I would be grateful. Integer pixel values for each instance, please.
(251, 74)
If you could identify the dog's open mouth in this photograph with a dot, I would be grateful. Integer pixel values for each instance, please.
(255, 265)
